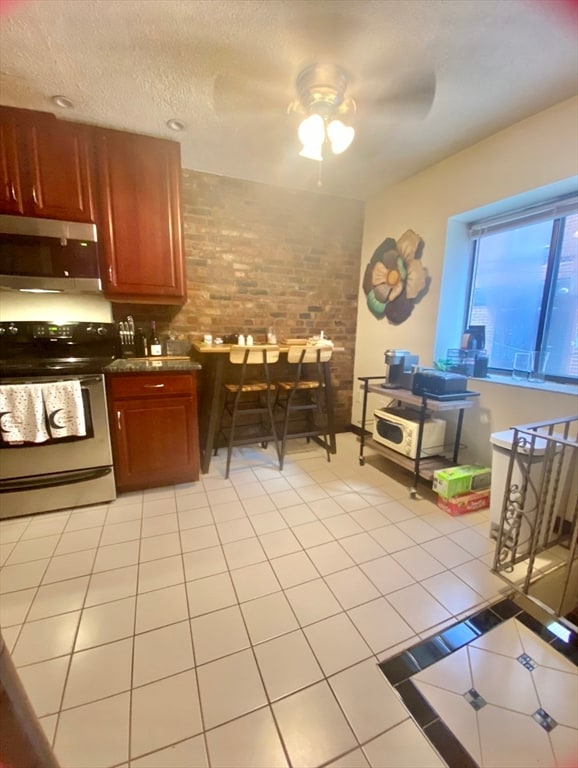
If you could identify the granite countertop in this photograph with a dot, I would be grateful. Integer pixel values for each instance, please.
(152, 365)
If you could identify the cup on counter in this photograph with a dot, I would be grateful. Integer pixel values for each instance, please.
(522, 366)
(207, 338)
(539, 364)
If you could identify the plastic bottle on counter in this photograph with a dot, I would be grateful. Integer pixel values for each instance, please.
(156, 349)
(241, 340)
(249, 341)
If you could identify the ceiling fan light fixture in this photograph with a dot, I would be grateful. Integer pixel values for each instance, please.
(312, 152)
(340, 136)
(312, 130)
(321, 97)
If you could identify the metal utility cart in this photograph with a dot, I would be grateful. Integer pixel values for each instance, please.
(421, 466)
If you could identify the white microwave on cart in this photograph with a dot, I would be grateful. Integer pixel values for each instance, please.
(398, 429)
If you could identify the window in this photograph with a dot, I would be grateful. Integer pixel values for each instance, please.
(524, 287)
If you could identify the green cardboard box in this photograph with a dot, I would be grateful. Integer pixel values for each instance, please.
(456, 480)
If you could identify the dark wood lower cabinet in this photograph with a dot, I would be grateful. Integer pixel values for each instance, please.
(154, 429)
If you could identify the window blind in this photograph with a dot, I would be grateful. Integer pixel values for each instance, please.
(553, 209)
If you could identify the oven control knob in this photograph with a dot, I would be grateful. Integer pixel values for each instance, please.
(101, 330)
(12, 329)
(90, 329)
(2, 330)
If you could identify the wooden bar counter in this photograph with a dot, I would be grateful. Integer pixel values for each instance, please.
(214, 359)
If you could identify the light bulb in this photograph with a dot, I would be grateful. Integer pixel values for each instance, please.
(312, 130)
(312, 152)
(340, 136)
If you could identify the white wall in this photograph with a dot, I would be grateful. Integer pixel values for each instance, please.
(535, 153)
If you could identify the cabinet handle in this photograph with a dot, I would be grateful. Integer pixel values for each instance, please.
(34, 195)
(118, 421)
(153, 386)
(110, 274)
(13, 192)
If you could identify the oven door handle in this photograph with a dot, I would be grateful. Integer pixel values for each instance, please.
(94, 379)
(51, 481)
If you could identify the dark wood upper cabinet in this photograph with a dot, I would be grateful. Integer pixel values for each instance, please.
(140, 218)
(11, 201)
(54, 169)
(45, 166)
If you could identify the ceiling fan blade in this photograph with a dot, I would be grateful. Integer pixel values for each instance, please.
(409, 96)
(247, 94)
(325, 32)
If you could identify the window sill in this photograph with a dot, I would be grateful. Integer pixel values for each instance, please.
(545, 386)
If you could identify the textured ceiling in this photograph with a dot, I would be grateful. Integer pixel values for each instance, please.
(227, 68)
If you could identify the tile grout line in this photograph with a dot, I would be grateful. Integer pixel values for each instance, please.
(302, 632)
(132, 661)
(255, 661)
(71, 656)
(189, 621)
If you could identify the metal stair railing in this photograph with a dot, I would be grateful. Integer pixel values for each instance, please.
(540, 509)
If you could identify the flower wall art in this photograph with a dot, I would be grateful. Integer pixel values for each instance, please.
(395, 278)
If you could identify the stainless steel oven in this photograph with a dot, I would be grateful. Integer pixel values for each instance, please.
(61, 472)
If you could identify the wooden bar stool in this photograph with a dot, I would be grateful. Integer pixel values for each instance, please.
(305, 396)
(251, 395)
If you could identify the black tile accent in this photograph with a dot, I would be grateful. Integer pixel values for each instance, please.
(569, 650)
(399, 668)
(506, 608)
(544, 719)
(527, 662)
(460, 634)
(485, 620)
(474, 699)
(536, 626)
(448, 746)
(429, 651)
(422, 712)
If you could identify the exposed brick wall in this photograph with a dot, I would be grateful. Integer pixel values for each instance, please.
(258, 255)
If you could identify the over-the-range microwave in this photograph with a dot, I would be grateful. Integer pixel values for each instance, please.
(47, 255)
(398, 429)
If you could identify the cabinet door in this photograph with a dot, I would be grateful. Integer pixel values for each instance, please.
(139, 189)
(45, 166)
(156, 442)
(59, 170)
(10, 188)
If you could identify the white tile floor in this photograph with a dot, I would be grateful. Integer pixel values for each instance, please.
(239, 622)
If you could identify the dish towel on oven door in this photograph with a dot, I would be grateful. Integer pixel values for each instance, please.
(22, 414)
(64, 409)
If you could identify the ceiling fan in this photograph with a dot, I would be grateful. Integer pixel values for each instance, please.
(321, 97)
(323, 100)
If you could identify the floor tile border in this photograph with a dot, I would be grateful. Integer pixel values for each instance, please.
(399, 669)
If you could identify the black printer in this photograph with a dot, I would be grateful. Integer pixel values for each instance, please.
(433, 382)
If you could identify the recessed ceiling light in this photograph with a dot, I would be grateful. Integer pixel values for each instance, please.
(175, 125)
(62, 101)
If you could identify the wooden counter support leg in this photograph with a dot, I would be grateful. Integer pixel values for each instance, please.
(329, 405)
(215, 405)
